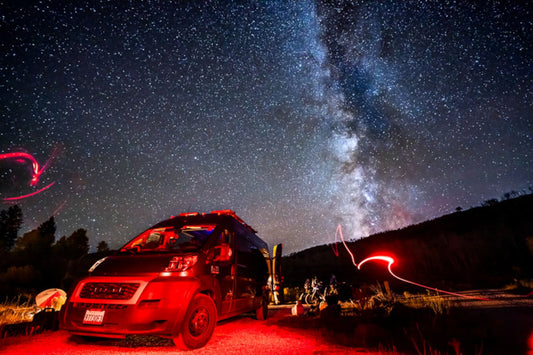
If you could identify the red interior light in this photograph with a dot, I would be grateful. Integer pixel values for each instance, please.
(223, 252)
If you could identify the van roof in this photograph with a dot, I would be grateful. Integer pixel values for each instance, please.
(213, 216)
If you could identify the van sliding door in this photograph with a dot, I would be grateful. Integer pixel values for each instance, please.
(246, 273)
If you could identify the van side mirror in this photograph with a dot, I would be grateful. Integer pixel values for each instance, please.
(223, 252)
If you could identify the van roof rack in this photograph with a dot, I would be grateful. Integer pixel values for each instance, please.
(227, 212)
(188, 214)
(234, 215)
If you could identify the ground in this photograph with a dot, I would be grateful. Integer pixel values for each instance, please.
(503, 324)
(240, 335)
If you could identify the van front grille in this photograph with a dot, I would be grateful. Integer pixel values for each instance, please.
(109, 291)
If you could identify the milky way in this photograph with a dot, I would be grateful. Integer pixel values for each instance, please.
(297, 115)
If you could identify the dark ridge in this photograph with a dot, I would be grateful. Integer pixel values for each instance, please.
(488, 246)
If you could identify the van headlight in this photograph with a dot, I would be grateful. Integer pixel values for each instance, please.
(180, 264)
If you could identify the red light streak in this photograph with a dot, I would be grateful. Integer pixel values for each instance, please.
(28, 195)
(390, 260)
(21, 157)
(339, 233)
(56, 211)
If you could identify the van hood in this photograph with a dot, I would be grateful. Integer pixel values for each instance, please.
(131, 265)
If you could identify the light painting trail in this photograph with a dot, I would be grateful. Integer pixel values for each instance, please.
(21, 157)
(7, 199)
(59, 208)
(390, 260)
(339, 233)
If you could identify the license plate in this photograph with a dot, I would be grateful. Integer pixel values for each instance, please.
(95, 317)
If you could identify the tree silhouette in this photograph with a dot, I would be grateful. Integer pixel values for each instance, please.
(10, 223)
(33, 254)
(491, 202)
(48, 228)
(73, 247)
(102, 247)
(68, 253)
(31, 248)
(78, 244)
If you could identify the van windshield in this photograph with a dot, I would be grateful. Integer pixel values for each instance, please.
(187, 238)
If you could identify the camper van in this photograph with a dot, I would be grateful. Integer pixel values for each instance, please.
(174, 280)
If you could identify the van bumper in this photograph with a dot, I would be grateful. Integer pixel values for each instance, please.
(157, 306)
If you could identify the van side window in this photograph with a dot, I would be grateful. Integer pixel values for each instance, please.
(248, 255)
(223, 250)
(226, 237)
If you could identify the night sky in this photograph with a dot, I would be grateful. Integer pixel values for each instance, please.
(298, 115)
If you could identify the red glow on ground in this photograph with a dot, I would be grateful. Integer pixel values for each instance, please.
(390, 260)
(281, 333)
(37, 170)
(530, 343)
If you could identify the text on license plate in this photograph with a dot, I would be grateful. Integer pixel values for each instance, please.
(93, 317)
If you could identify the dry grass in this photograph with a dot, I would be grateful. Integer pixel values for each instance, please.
(431, 300)
(423, 347)
(375, 319)
(18, 310)
(525, 284)
(380, 296)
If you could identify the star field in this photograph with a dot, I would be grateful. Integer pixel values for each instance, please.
(298, 116)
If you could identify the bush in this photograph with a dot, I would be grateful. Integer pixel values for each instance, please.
(19, 275)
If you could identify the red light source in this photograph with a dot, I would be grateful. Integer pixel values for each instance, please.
(21, 157)
(530, 343)
(390, 260)
(223, 252)
(28, 195)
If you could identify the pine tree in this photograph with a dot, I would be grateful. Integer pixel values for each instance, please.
(48, 228)
(10, 223)
(102, 247)
(78, 244)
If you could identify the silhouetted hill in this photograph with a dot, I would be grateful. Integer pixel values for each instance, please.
(487, 246)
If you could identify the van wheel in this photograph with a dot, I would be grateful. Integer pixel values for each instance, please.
(261, 313)
(198, 324)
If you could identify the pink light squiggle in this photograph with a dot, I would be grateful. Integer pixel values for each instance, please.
(35, 174)
(28, 195)
(390, 260)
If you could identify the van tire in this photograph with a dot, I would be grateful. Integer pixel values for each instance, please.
(198, 324)
(261, 313)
